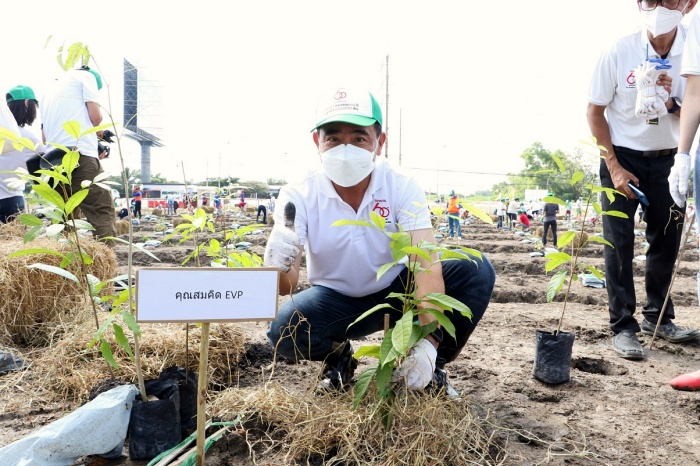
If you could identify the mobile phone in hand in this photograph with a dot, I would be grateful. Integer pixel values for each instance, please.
(642, 198)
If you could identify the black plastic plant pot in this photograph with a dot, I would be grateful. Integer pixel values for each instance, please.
(552, 356)
(154, 426)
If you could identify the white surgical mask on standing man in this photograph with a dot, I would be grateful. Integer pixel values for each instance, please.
(661, 20)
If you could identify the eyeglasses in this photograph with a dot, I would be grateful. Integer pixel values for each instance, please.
(648, 5)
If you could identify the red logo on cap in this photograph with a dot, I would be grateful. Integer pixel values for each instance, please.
(340, 95)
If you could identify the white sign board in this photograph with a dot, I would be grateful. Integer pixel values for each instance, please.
(206, 294)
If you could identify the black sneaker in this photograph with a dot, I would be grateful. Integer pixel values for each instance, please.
(440, 384)
(338, 370)
(669, 332)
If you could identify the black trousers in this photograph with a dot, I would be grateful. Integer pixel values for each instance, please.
(664, 229)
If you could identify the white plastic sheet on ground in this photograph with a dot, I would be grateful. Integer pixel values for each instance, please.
(96, 428)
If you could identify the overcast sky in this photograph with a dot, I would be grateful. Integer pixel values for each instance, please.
(471, 84)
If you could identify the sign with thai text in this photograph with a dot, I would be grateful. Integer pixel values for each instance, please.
(192, 294)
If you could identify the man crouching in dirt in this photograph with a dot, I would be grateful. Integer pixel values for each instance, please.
(342, 262)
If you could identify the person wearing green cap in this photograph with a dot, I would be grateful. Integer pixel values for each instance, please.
(74, 97)
(23, 104)
(353, 182)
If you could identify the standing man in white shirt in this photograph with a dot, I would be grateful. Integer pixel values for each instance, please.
(74, 97)
(342, 262)
(641, 151)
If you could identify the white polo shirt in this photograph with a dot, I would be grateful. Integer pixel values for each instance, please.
(613, 85)
(66, 102)
(347, 258)
(691, 54)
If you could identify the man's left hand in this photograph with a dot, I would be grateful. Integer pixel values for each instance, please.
(678, 179)
(418, 367)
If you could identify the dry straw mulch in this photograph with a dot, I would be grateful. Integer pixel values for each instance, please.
(308, 428)
(68, 370)
(34, 303)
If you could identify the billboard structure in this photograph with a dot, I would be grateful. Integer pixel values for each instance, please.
(143, 113)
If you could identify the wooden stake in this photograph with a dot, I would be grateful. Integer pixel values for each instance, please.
(202, 393)
(386, 323)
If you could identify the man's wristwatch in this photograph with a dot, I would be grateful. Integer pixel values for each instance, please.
(676, 104)
(437, 335)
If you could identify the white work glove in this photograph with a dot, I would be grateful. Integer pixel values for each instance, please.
(418, 367)
(678, 179)
(650, 97)
(283, 245)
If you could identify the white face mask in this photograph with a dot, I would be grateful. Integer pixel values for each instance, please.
(346, 165)
(661, 20)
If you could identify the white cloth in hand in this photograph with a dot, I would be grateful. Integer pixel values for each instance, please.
(282, 248)
(418, 367)
(651, 98)
(678, 179)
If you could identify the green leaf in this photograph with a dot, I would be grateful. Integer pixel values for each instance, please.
(601, 240)
(387, 353)
(566, 238)
(615, 213)
(371, 311)
(555, 260)
(32, 234)
(50, 195)
(448, 302)
(377, 220)
(371, 351)
(576, 177)
(75, 200)
(383, 377)
(478, 213)
(30, 220)
(131, 322)
(362, 385)
(402, 333)
(598, 274)
(560, 164)
(555, 284)
(384, 269)
(445, 321)
(107, 354)
(361, 223)
(72, 128)
(56, 270)
(27, 252)
(122, 340)
(416, 334)
(417, 252)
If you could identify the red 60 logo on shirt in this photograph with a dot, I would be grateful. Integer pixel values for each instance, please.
(381, 210)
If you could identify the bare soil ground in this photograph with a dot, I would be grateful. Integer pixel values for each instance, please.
(612, 411)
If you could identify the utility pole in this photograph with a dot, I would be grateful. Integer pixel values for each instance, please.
(386, 112)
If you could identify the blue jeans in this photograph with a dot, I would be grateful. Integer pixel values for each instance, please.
(454, 221)
(10, 207)
(315, 321)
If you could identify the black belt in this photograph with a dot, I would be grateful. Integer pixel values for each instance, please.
(647, 153)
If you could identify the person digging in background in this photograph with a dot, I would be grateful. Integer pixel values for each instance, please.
(453, 215)
(549, 220)
(639, 130)
(342, 262)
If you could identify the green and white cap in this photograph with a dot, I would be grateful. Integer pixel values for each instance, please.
(346, 105)
(21, 93)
